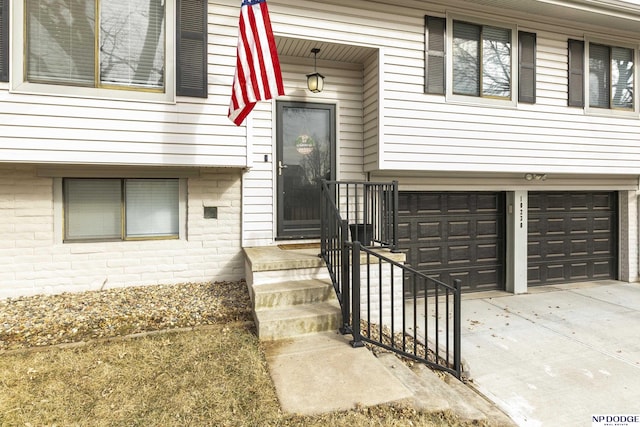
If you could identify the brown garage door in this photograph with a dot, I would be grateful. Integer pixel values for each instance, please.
(455, 236)
(572, 237)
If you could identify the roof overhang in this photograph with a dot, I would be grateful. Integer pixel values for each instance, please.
(619, 14)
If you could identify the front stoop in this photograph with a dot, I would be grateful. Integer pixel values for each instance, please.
(290, 292)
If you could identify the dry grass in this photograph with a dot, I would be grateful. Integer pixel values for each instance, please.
(210, 376)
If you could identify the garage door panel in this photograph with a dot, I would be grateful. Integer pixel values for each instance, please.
(459, 230)
(471, 280)
(556, 226)
(579, 247)
(603, 201)
(571, 236)
(579, 271)
(555, 249)
(533, 251)
(455, 234)
(533, 274)
(429, 258)
(554, 272)
(430, 230)
(459, 203)
(603, 270)
(578, 225)
(488, 253)
(602, 225)
(427, 204)
(487, 229)
(602, 247)
(489, 202)
(579, 202)
(460, 255)
(534, 226)
(554, 202)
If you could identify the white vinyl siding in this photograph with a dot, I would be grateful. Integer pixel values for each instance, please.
(346, 83)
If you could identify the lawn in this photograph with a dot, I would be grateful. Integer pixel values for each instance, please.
(207, 375)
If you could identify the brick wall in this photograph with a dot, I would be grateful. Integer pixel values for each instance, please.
(34, 260)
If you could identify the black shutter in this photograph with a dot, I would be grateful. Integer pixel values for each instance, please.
(434, 42)
(191, 48)
(4, 40)
(527, 67)
(576, 73)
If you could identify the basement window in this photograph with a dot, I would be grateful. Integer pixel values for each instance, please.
(121, 209)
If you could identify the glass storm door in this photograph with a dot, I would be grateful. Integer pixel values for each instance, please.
(305, 154)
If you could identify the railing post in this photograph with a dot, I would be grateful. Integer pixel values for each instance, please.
(394, 242)
(457, 328)
(355, 282)
(323, 218)
(346, 287)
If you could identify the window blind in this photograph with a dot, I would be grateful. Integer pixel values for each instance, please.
(93, 209)
(466, 54)
(60, 42)
(132, 43)
(622, 78)
(599, 75)
(152, 207)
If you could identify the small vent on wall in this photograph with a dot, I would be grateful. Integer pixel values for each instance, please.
(210, 212)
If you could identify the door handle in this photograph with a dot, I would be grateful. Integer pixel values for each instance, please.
(280, 167)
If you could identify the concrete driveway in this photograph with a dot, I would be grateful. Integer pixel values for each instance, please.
(557, 355)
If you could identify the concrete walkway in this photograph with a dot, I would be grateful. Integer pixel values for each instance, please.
(557, 355)
(552, 357)
(321, 372)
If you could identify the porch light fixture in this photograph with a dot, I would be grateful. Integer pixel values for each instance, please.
(315, 80)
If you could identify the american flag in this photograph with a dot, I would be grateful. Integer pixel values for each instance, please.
(258, 76)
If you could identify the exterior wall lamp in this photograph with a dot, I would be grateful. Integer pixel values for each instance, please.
(315, 80)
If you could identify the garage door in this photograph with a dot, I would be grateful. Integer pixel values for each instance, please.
(572, 237)
(455, 236)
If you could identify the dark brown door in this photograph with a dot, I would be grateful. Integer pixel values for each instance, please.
(572, 237)
(455, 236)
(305, 149)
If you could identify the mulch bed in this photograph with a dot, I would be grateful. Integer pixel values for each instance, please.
(44, 320)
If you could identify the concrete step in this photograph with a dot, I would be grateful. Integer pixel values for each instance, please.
(290, 293)
(292, 321)
(264, 277)
(439, 391)
(265, 265)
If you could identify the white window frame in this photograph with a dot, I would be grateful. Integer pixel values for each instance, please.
(610, 112)
(20, 85)
(59, 214)
(450, 96)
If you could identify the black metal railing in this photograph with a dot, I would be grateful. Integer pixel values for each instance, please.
(369, 208)
(334, 235)
(423, 328)
(371, 287)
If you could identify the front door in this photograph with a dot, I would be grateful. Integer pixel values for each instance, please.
(305, 154)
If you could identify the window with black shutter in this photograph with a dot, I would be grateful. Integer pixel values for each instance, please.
(191, 48)
(527, 67)
(481, 62)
